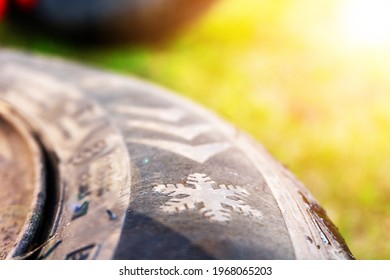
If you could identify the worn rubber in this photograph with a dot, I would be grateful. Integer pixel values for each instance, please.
(138, 172)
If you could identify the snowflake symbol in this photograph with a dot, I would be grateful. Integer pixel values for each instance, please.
(213, 201)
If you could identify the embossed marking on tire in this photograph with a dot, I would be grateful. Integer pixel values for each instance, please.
(200, 153)
(164, 114)
(188, 132)
(215, 202)
(93, 162)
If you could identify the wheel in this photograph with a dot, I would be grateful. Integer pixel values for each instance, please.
(107, 20)
(127, 170)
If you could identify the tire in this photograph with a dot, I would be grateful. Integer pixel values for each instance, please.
(136, 172)
(107, 20)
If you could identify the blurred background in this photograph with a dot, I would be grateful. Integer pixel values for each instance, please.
(310, 80)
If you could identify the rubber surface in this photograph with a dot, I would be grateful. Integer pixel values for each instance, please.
(141, 173)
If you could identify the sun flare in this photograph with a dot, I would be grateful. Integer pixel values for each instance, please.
(366, 22)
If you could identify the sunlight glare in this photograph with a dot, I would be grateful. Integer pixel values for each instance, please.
(366, 22)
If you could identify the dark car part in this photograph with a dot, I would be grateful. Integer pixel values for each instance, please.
(129, 170)
(108, 20)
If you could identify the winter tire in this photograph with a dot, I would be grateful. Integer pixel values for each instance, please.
(122, 169)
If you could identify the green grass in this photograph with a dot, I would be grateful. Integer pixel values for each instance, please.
(281, 71)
